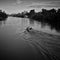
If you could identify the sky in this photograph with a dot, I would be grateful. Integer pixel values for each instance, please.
(15, 6)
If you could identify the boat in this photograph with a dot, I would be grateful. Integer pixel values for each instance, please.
(28, 29)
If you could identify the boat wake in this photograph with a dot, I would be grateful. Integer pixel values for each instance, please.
(44, 44)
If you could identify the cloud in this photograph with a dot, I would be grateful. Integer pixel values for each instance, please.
(45, 4)
(18, 1)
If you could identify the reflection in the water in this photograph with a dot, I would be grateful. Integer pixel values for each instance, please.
(3, 22)
(41, 26)
(32, 23)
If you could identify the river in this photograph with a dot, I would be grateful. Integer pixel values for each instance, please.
(15, 44)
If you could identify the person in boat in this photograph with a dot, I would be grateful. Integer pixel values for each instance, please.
(28, 29)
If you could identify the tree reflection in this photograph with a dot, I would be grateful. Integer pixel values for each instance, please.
(3, 22)
(31, 21)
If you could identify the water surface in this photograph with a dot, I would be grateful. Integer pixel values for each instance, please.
(16, 43)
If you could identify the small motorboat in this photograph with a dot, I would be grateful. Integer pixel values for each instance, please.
(29, 29)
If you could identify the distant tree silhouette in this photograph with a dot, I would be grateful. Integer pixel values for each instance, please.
(31, 13)
(3, 15)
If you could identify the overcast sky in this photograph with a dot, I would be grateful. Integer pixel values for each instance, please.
(14, 6)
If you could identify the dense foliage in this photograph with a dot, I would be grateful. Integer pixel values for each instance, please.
(3, 15)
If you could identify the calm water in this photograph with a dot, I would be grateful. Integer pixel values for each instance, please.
(15, 44)
(14, 25)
